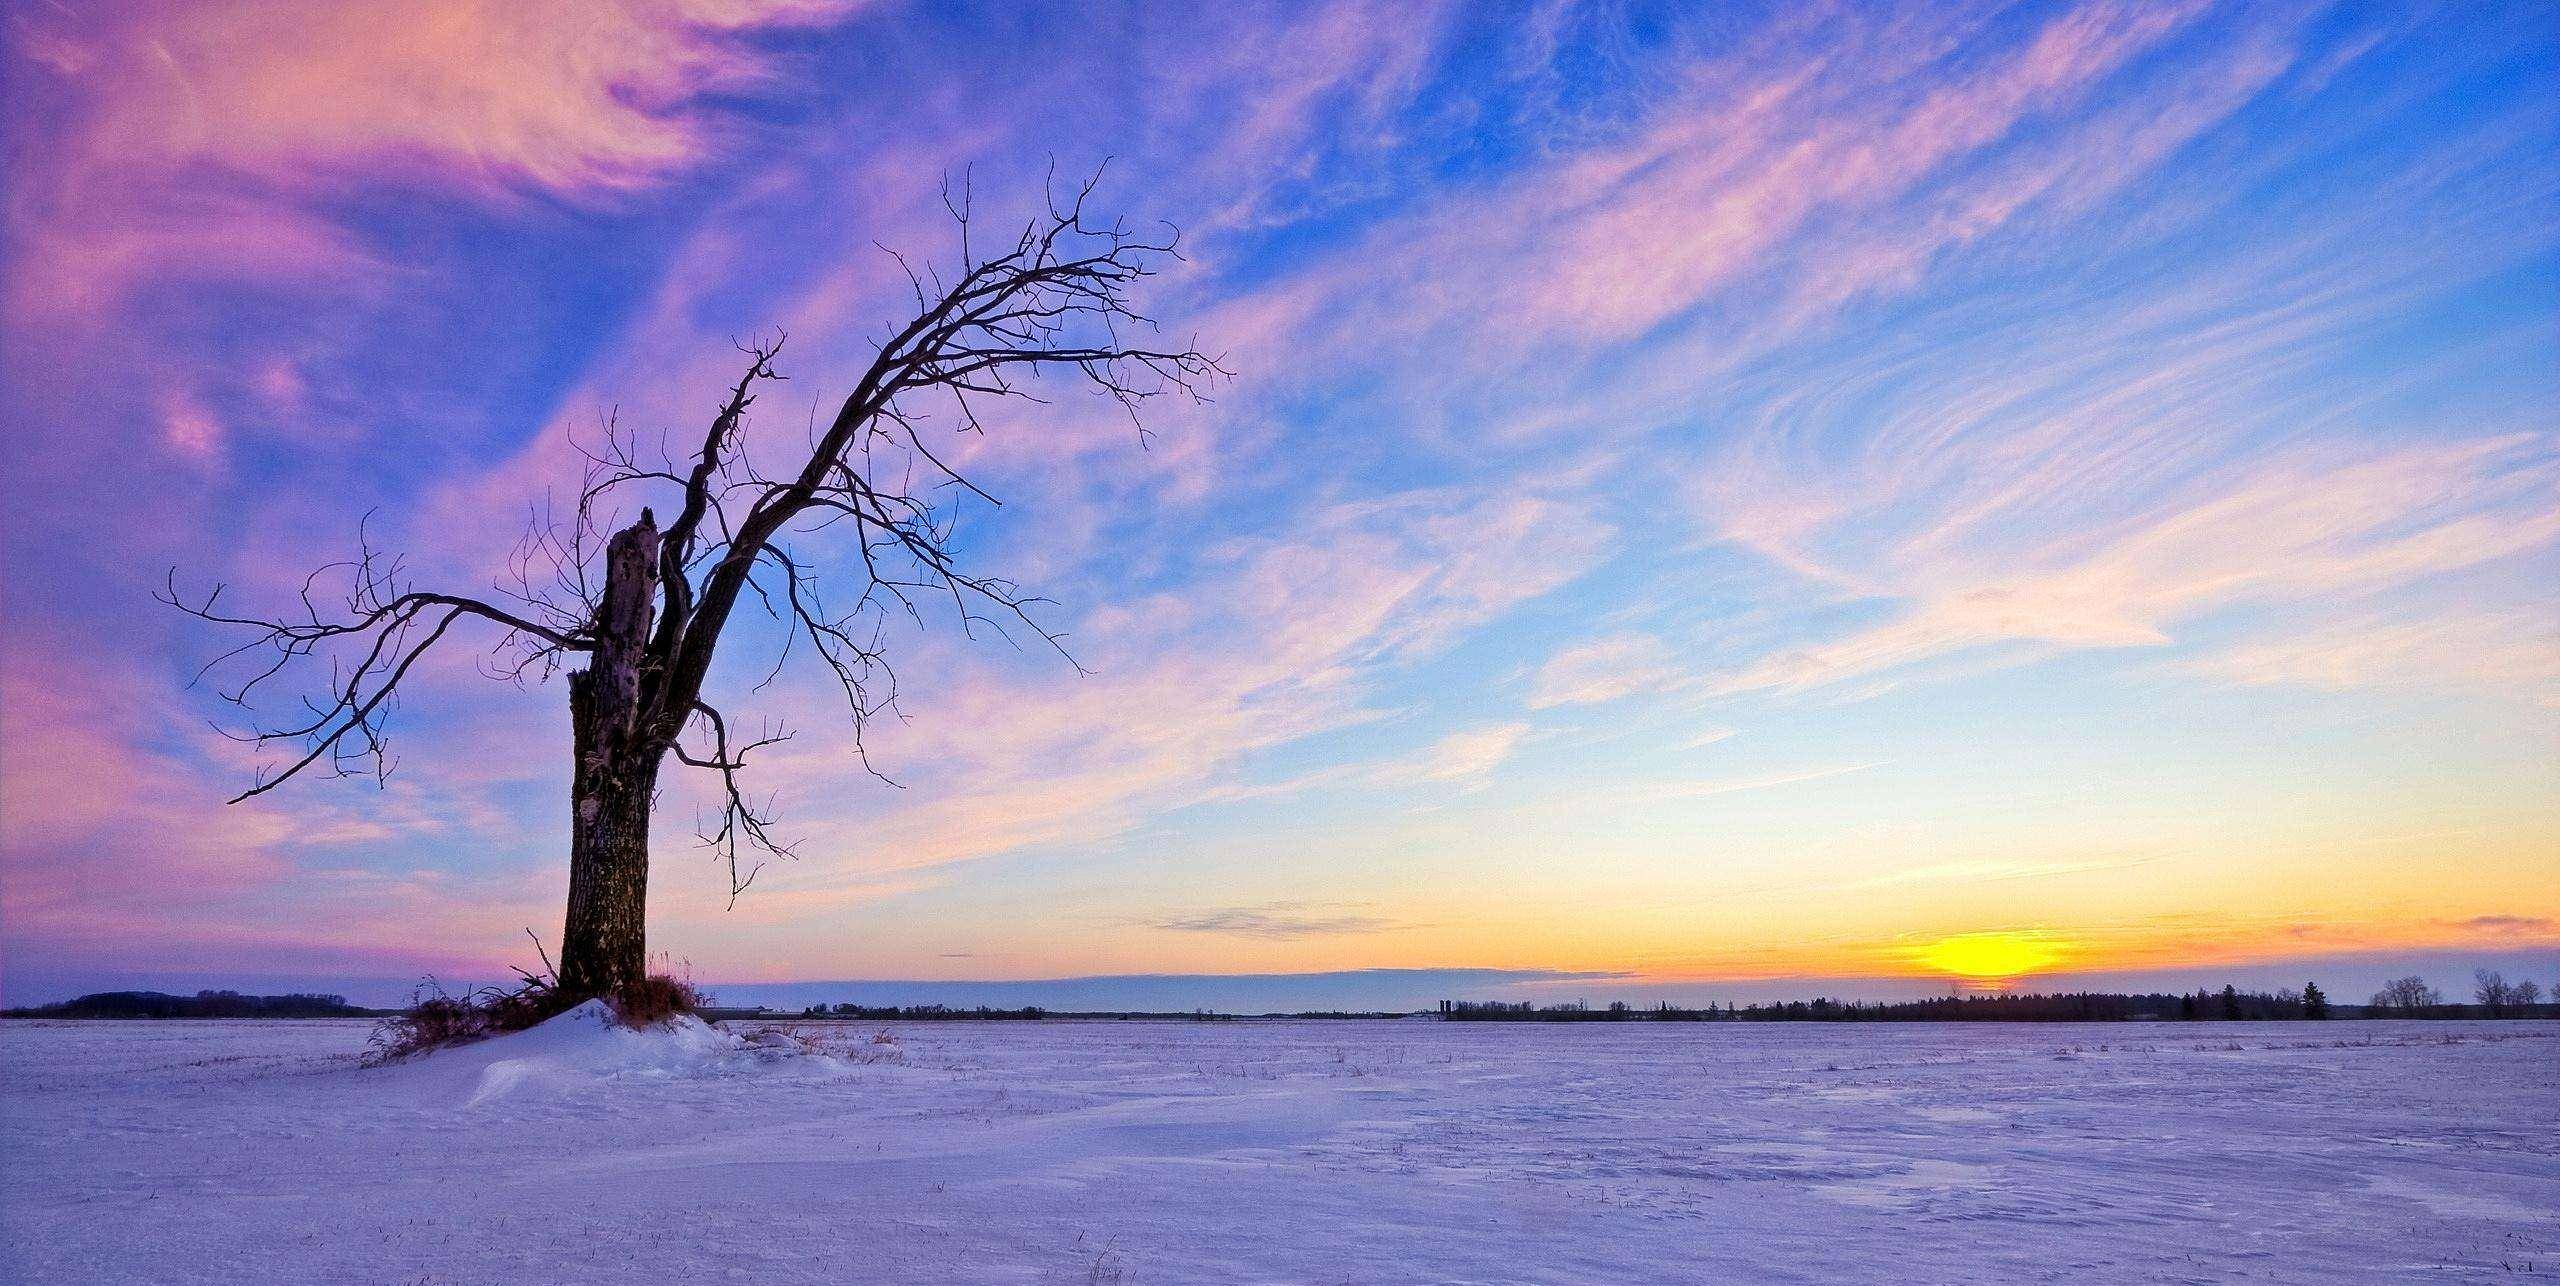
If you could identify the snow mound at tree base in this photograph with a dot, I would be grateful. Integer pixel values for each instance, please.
(587, 1046)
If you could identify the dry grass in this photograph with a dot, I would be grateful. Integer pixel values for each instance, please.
(437, 1019)
(654, 1000)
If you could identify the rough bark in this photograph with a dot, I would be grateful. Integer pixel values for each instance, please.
(604, 944)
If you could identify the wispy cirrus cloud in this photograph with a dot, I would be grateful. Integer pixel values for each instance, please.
(1601, 670)
(1675, 788)
(1282, 638)
(2180, 449)
(211, 138)
(1470, 754)
(2295, 530)
(2512, 653)
(2518, 925)
(1285, 921)
(1807, 131)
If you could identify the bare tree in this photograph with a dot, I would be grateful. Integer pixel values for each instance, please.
(2408, 997)
(645, 609)
(2491, 989)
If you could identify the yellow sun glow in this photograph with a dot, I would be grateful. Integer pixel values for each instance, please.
(1992, 955)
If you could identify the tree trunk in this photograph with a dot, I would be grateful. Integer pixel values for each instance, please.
(604, 944)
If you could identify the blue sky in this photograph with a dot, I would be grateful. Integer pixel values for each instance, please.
(1706, 494)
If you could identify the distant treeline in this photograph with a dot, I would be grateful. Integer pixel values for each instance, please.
(203, 1004)
(934, 1013)
(2404, 999)
(924, 1013)
(2067, 1007)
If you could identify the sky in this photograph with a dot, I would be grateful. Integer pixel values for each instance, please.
(1711, 501)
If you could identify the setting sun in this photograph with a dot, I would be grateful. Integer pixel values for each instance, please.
(1991, 956)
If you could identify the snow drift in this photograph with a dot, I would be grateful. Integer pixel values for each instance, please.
(587, 1046)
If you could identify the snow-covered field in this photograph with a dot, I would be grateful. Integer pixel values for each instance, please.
(1314, 1152)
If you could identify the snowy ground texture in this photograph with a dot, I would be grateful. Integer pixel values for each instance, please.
(1285, 1152)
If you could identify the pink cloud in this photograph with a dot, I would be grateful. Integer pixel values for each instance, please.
(568, 97)
(2292, 530)
(1716, 190)
(1470, 754)
(1275, 643)
(1602, 669)
(184, 137)
(114, 835)
(188, 428)
(2512, 653)
(1608, 243)
(1467, 759)
(89, 812)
